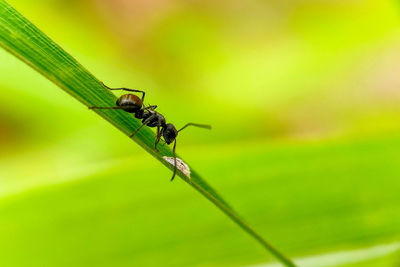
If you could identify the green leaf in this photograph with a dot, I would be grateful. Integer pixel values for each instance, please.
(21, 38)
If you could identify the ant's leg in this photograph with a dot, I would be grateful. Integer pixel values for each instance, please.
(161, 134)
(118, 107)
(195, 124)
(143, 124)
(137, 130)
(175, 167)
(153, 107)
(157, 138)
(126, 89)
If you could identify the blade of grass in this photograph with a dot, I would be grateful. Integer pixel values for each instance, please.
(24, 40)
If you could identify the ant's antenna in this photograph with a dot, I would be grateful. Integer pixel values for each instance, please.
(205, 126)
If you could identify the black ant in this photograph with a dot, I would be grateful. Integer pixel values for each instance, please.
(151, 118)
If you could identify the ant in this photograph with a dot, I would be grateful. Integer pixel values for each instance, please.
(133, 104)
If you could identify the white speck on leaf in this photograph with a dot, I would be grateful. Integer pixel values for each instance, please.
(182, 166)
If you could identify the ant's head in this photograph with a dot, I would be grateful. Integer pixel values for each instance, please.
(169, 133)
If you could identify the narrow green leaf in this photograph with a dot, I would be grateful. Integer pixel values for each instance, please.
(21, 38)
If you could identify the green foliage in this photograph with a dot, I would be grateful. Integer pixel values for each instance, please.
(24, 40)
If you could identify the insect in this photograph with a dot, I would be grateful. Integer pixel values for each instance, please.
(133, 104)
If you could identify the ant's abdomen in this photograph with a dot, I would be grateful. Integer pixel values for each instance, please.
(131, 100)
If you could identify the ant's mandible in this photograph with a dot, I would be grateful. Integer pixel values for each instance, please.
(133, 104)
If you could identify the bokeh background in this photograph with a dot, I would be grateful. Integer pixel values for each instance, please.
(304, 101)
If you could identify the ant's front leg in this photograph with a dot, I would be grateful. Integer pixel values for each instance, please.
(126, 89)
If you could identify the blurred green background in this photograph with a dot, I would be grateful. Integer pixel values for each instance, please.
(304, 101)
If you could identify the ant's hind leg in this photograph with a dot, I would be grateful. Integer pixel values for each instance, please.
(126, 89)
(175, 167)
